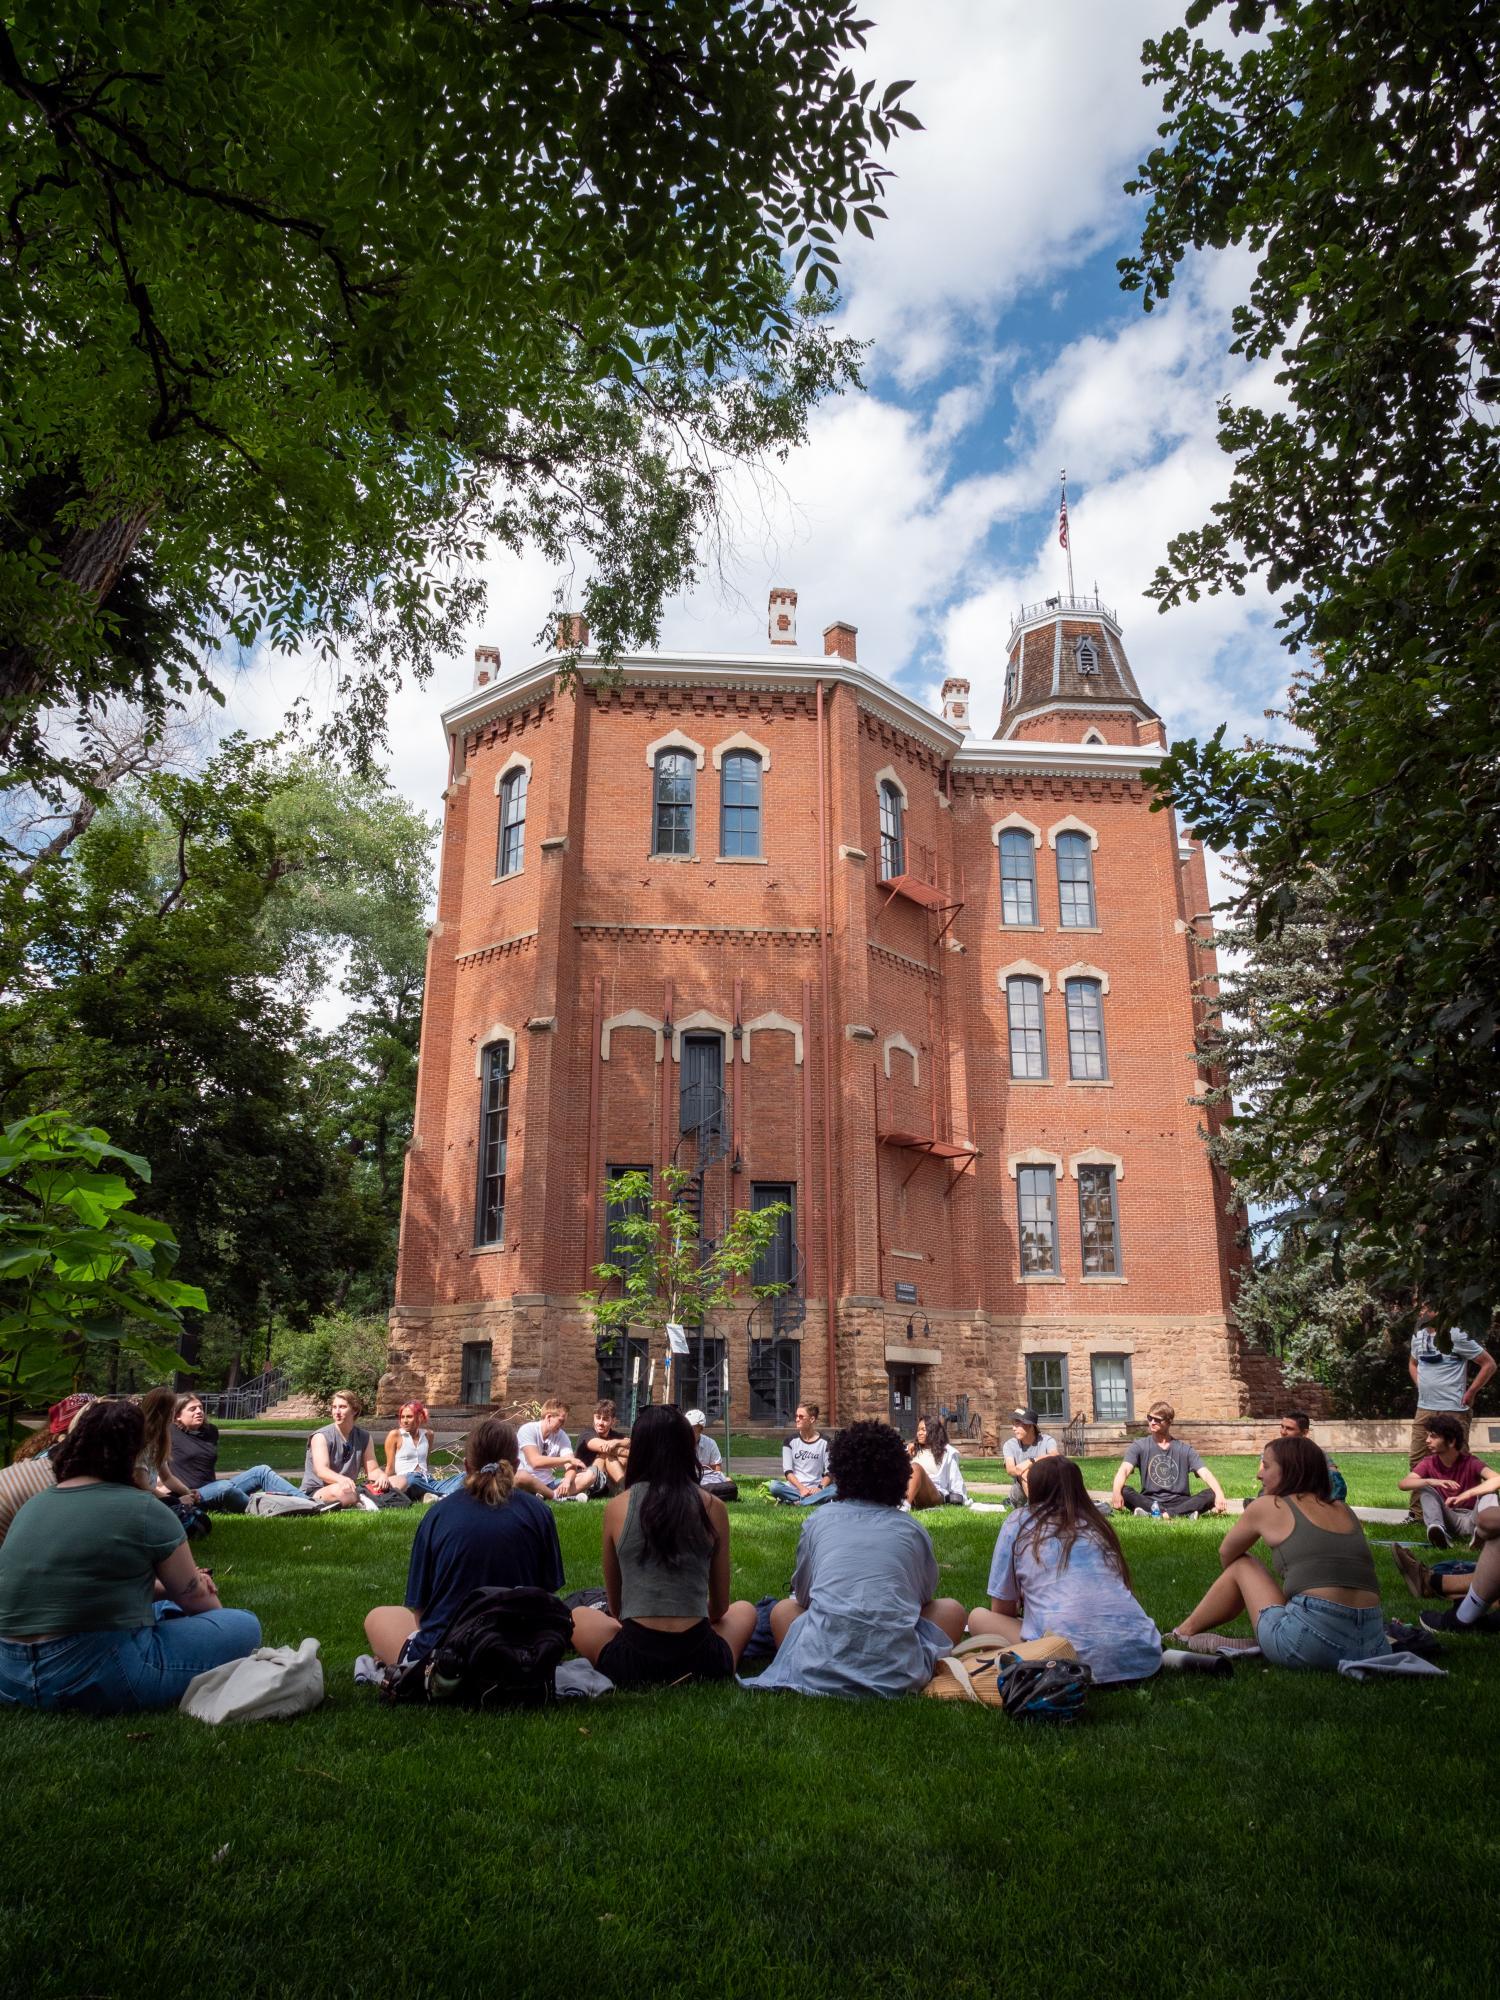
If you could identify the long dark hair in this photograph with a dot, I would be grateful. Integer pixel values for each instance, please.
(1058, 1508)
(937, 1437)
(673, 1519)
(158, 1407)
(105, 1443)
(1303, 1466)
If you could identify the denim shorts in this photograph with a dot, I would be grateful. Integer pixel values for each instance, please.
(1314, 1632)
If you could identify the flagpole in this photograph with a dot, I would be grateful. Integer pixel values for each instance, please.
(1062, 529)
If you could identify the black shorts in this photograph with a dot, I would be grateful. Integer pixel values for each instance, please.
(640, 1656)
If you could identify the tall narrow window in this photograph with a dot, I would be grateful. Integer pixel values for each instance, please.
(1112, 1398)
(892, 832)
(672, 817)
(512, 853)
(1036, 1195)
(1017, 878)
(702, 1087)
(1047, 1386)
(494, 1123)
(1075, 882)
(616, 1245)
(1028, 1032)
(1085, 1030)
(1098, 1223)
(476, 1359)
(739, 804)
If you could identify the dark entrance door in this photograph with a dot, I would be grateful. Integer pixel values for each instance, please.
(702, 1085)
(903, 1398)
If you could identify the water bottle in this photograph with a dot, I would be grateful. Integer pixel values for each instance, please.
(1156, 1510)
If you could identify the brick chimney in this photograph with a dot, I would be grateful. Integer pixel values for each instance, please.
(486, 665)
(781, 618)
(838, 641)
(956, 702)
(572, 632)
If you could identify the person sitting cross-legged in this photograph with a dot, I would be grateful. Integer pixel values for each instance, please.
(605, 1448)
(1326, 1608)
(1452, 1486)
(710, 1459)
(549, 1466)
(490, 1532)
(806, 1480)
(408, 1448)
(666, 1569)
(340, 1456)
(194, 1458)
(1059, 1568)
(80, 1573)
(936, 1478)
(1165, 1464)
(1027, 1443)
(864, 1616)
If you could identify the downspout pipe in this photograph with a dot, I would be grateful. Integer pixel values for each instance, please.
(826, 1020)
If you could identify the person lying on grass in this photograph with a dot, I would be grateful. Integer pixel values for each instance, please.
(490, 1532)
(666, 1569)
(407, 1447)
(1452, 1486)
(1475, 1585)
(1327, 1606)
(1059, 1568)
(80, 1627)
(341, 1455)
(195, 1460)
(863, 1616)
(936, 1480)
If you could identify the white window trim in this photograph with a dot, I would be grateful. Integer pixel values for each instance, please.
(516, 761)
(1022, 968)
(1072, 825)
(1035, 1156)
(739, 741)
(698, 1023)
(633, 1017)
(765, 1024)
(1093, 1156)
(1083, 972)
(1094, 737)
(899, 1041)
(886, 775)
(498, 1033)
(1014, 823)
(674, 740)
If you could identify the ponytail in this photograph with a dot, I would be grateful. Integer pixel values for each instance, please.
(491, 1456)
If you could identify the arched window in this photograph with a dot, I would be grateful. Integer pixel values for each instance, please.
(892, 832)
(1085, 1030)
(1017, 878)
(1075, 882)
(511, 853)
(672, 817)
(739, 803)
(494, 1132)
(1028, 1029)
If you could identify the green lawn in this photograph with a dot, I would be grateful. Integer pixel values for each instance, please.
(1371, 1475)
(1273, 1835)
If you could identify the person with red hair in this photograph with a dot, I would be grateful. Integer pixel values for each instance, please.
(407, 1446)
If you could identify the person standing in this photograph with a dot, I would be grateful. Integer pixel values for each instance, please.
(1166, 1464)
(1440, 1379)
(806, 1480)
(194, 1459)
(1026, 1444)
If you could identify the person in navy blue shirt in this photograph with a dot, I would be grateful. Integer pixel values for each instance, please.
(489, 1532)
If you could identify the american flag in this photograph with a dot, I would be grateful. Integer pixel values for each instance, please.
(1062, 524)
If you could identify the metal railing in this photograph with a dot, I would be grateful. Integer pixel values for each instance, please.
(250, 1399)
(1064, 606)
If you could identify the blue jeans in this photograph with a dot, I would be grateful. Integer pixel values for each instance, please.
(449, 1485)
(782, 1489)
(1314, 1632)
(419, 1484)
(233, 1494)
(111, 1673)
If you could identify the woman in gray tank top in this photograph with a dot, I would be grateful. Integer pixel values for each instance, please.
(666, 1569)
(1327, 1606)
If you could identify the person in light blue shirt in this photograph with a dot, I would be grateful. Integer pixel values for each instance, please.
(1059, 1568)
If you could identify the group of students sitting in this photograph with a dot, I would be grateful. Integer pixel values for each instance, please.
(103, 1608)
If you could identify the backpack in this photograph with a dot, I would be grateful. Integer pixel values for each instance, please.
(1047, 1686)
(502, 1649)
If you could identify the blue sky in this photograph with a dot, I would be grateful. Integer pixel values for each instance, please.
(924, 511)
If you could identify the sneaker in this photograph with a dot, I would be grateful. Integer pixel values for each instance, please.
(1447, 1621)
(1211, 1642)
(1437, 1535)
(1418, 1578)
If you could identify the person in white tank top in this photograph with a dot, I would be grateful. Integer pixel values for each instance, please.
(406, 1454)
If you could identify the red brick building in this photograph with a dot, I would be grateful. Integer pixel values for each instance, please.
(768, 916)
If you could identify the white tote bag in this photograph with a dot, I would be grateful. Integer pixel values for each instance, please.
(273, 1682)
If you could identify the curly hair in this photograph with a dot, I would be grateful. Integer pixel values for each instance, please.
(106, 1443)
(869, 1462)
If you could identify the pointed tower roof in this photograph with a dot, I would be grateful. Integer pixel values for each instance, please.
(1067, 677)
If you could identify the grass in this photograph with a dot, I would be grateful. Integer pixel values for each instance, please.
(1275, 1835)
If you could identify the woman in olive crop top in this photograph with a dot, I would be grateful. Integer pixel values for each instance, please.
(666, 1569)
(1327, 1606)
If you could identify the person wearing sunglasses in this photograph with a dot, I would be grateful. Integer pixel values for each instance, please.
(1165, 1465)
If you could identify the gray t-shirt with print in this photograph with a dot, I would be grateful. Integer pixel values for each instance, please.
(1442, 1378)
(1164, 1468)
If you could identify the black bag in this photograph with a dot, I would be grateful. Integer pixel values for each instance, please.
(195, 1521)
(502, 1650)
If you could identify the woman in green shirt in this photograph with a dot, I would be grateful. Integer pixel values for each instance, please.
(79, 1576)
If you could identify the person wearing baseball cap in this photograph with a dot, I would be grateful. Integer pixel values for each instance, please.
(1026, 1444)
(710, 1460)
(32, 1471)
